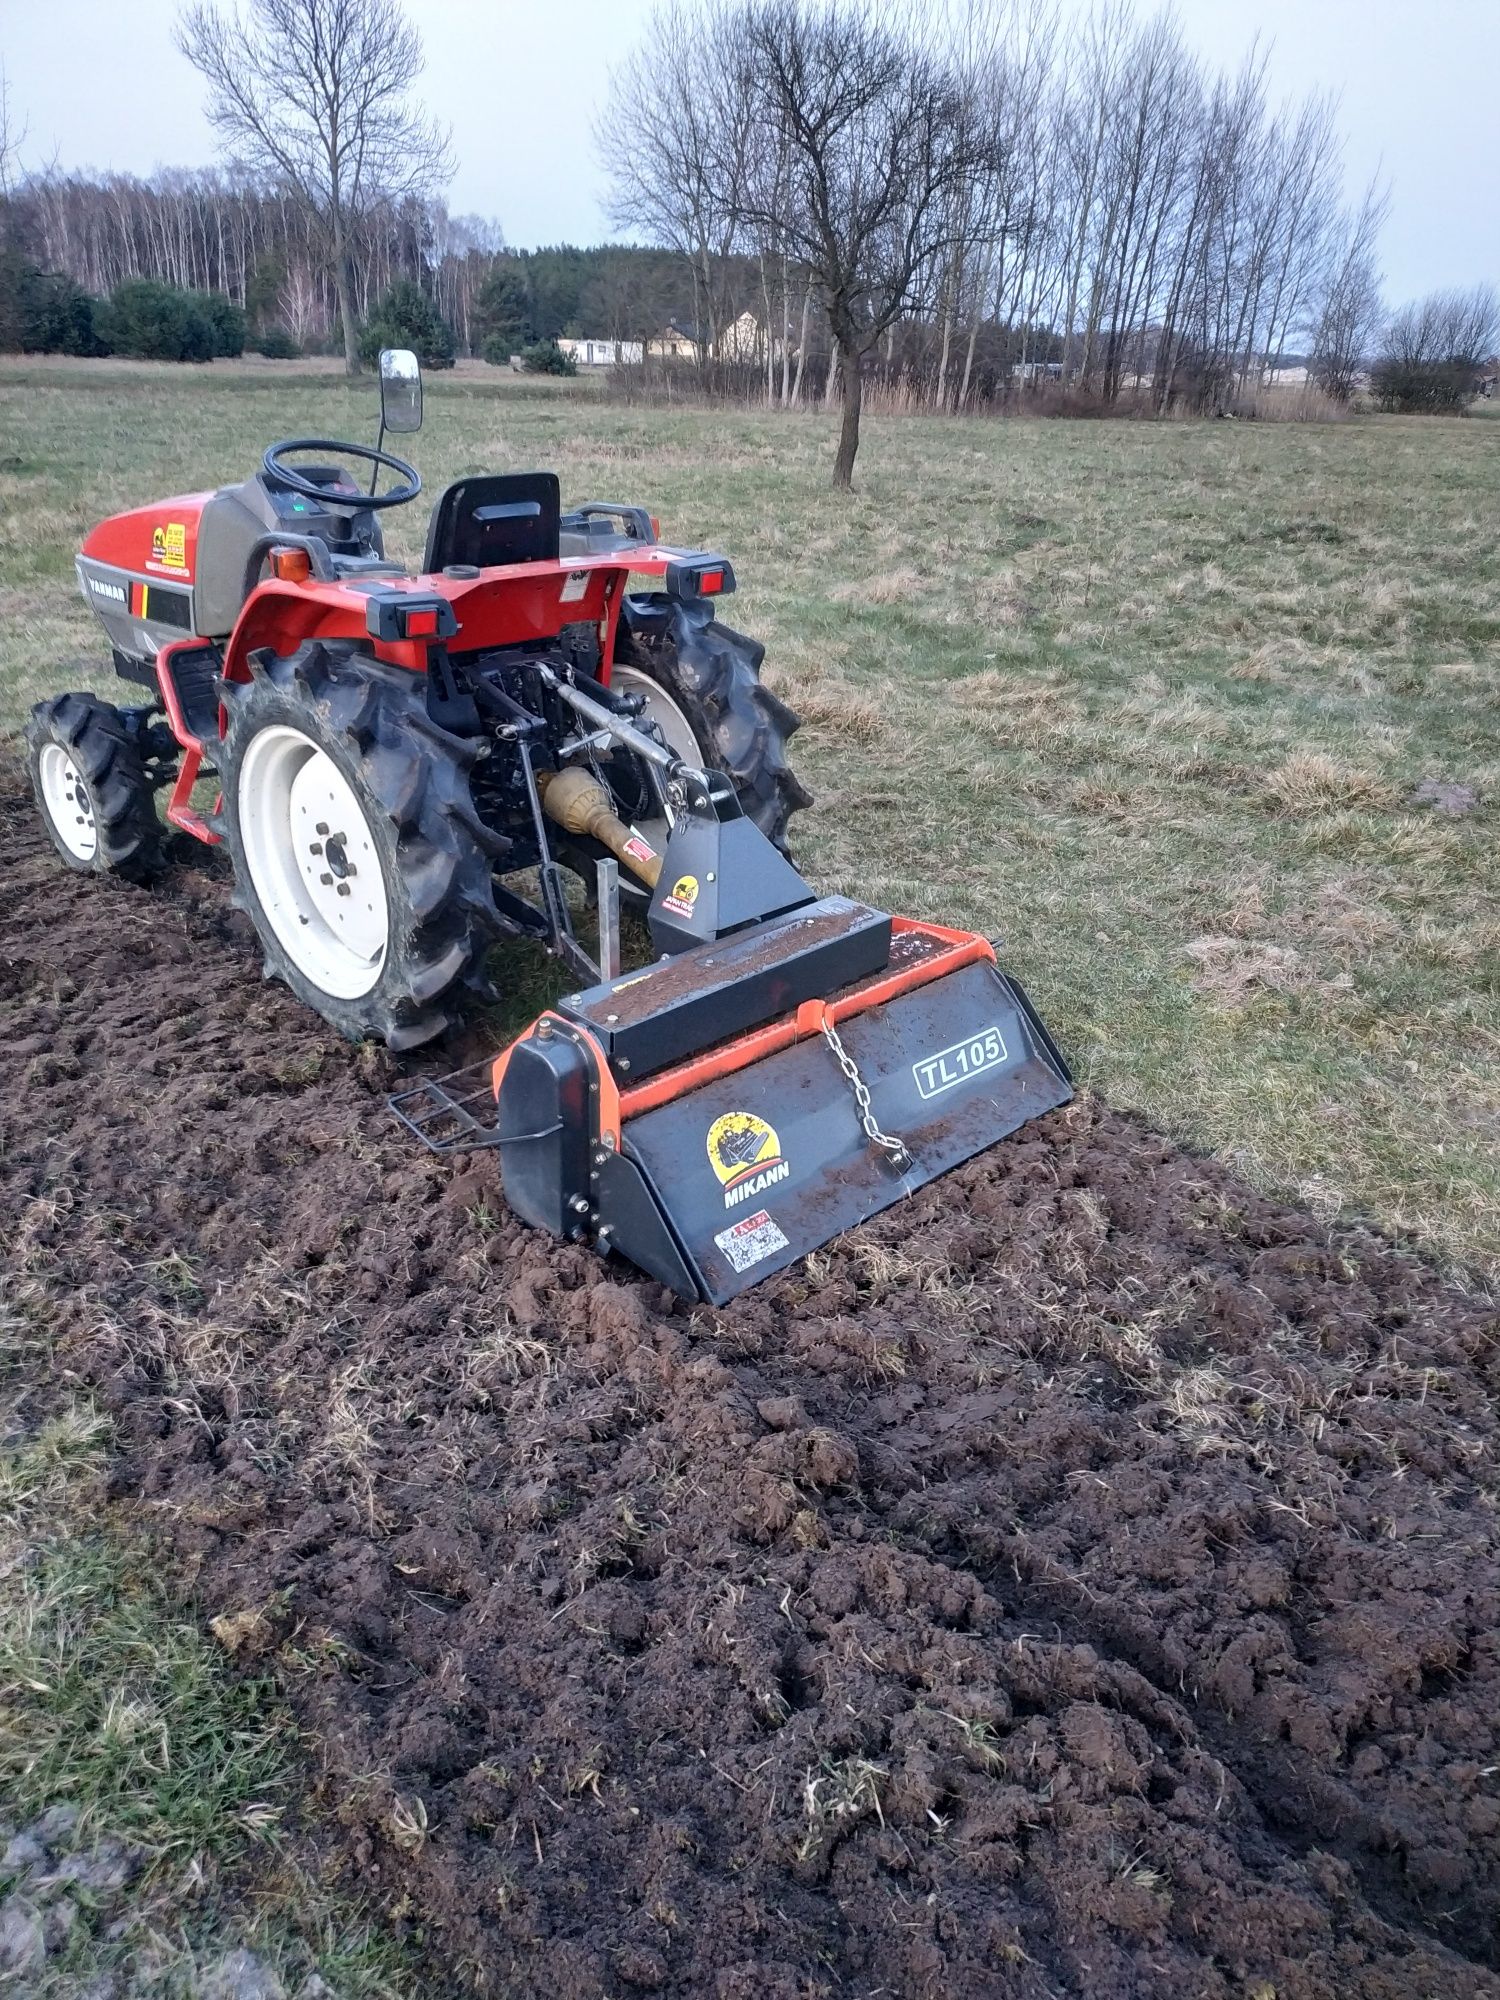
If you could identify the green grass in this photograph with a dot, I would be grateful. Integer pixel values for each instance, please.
(115, 1705)
(1149, 701)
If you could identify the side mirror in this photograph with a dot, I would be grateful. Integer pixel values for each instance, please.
(400, 390)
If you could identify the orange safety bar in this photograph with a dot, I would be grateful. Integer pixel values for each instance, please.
(961, 948)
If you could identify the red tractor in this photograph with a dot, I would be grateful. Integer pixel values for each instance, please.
(408, 768)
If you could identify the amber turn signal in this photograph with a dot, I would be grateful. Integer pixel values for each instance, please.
(291, 565)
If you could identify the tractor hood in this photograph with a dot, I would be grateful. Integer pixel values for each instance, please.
(157, 541)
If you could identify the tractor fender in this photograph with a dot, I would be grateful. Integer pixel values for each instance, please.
(280, 617)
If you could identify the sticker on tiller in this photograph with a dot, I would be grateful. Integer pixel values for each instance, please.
(958, 1063)
(745, 1153)
(168, 547)
(575, 586)
(684, 896)
(639, 848)
(751, 1241)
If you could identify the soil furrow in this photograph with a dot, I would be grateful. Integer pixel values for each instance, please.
(1081, 1580)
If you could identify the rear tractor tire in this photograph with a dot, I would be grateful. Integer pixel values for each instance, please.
(701, 683)
(96, 801)
(357, 852)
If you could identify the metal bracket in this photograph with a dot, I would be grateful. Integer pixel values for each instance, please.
(441, 1110)
(608, 879)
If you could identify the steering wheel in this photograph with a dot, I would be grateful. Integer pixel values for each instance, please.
(289, 476)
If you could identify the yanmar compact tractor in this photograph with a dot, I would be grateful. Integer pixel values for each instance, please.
(408, 770)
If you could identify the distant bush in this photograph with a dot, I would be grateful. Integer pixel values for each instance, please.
(1433, 353)
(497, 349)
(1423, 388)
(276, 344)
(42, 312)
(545, 357)
(155, 322)
(406, 317)
(228, 321)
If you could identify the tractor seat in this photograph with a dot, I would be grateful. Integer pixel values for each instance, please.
(494, 519)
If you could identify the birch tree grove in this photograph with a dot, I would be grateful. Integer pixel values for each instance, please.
(1091, 206)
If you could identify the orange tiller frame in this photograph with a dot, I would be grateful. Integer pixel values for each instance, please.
(961, 948)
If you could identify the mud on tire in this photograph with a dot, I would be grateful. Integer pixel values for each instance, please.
(410, 780)
(713, 674)
(92, 739)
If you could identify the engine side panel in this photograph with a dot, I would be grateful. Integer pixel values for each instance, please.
(137, 572)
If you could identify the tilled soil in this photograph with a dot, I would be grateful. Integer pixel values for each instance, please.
(1081, 1581)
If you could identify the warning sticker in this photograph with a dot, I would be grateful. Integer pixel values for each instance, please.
(575, 586)
(751, 1241)
(683, 897)
(639, 848)
(168, 546)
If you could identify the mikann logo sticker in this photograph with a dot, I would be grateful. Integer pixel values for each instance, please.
(745, 1153)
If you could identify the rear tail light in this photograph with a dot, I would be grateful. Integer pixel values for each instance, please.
(700, 576)
(409, 614)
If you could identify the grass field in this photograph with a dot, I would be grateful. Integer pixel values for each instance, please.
(1153, 703)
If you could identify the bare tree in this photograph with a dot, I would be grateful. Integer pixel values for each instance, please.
(675, 160)
(1434, 350)
(876, 152)
(1348, 311)
(13, 133)
(316, 93)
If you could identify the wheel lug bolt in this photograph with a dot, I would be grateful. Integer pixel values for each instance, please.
(315, 847)
(343, 888)
(325, 879)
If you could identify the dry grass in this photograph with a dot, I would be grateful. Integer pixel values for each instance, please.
(1310, 782)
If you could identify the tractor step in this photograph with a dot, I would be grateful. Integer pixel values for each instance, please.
(646, 1021)
(189, 681)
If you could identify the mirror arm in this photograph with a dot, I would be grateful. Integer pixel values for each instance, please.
(379, 446)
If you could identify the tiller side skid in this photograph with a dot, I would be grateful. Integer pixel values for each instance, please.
(714, 1162)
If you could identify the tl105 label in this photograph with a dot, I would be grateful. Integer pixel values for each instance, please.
(955, 1065)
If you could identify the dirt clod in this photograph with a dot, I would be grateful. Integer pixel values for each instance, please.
(1082, 1580)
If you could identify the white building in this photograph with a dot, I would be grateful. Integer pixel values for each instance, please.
(601, 353)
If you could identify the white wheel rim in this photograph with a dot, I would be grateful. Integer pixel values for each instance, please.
(69, 806)
(313, 862)
(676, 730)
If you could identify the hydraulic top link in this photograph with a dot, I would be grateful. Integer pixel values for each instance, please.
(624, 733)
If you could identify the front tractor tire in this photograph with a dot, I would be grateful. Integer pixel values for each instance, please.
(357, 852)
(97, 803)
(701, 684)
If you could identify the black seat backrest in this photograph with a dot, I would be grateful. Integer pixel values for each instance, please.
(495, 517)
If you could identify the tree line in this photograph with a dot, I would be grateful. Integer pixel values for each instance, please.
(227, 231)
(1126, 216)
(948, 201)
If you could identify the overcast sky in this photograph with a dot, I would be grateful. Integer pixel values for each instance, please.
(101, 85)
